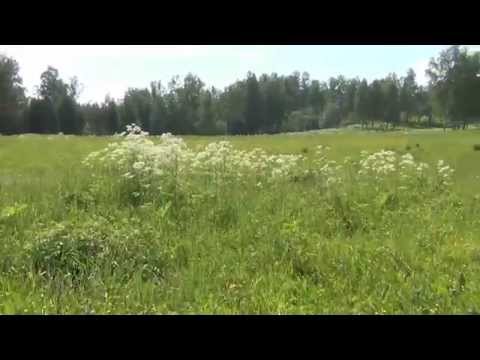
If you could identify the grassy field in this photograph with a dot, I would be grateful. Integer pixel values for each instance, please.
(72, 243)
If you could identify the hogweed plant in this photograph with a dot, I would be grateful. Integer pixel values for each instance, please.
(168, 169)
(170, 166)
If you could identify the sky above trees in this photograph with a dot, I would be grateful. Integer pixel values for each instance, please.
(112, 69)
(266, 103)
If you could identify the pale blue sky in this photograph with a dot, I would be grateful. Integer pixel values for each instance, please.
(114, 68)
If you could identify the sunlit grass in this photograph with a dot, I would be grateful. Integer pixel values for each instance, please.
(285, 249)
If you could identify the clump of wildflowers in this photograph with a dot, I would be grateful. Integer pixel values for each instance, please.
(136, 158)
(170, 163)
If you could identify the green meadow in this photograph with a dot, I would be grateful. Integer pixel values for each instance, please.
(68, 246)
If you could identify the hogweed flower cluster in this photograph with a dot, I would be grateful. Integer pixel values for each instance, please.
(327, 170)
(445, 173)
(135, 158)
(379, 164)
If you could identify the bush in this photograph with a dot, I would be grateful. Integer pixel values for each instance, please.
(476, 147)
(332, 116)
(78, 251)
(68, 250)
(301, 120)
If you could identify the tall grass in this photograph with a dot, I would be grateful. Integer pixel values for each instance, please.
(72, 243)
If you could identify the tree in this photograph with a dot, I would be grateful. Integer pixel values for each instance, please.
(68, 118)
(94, 118)
(137, 106)
(407, 97)
(293, 92)
(440, 73)
(158, 111)
(305, 89)
(206, 125)
(74, 89)
(112, 123)
(376, 103)
(158, 115)
(189, 96)
(41, 117)
(423, 104)
(392, 106)
(317, 97)
(12, 96)
(466, 89)
(60, 102)
(254, 106)
(172, 106)
(274, 105)
(179, 109)
(231, 107)
(455, 84)
(52, 87)
(362, 103)
(332, 115)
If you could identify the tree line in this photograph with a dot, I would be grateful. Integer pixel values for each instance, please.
(270, 103)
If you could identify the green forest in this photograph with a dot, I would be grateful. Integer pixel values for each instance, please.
(265, 104)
